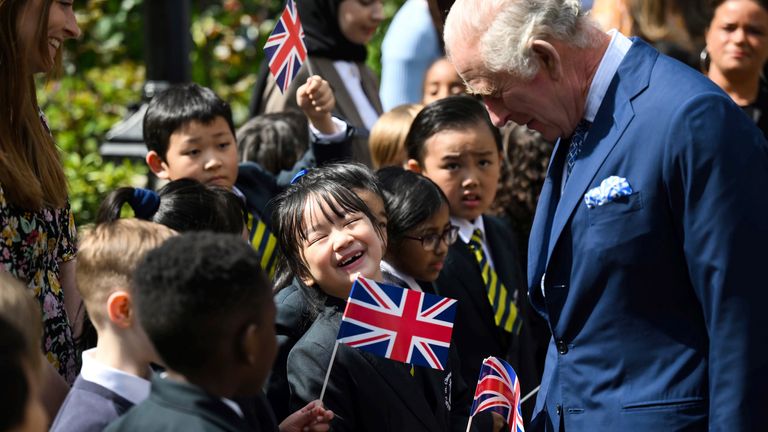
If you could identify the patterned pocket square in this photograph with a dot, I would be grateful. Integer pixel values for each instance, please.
(611, 188)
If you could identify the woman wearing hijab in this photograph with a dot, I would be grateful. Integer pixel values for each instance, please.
(336, 32)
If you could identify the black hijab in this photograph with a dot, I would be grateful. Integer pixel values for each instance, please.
(322, 35)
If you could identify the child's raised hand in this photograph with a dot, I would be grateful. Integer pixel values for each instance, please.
(316, 100)
(313, 417)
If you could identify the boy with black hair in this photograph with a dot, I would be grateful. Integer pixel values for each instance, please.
(207, 307)
(453, 142)
(189, 132)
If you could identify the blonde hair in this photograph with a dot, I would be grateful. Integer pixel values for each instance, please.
(30, 166)
(18, 307)
(108, 253)
(387, 140)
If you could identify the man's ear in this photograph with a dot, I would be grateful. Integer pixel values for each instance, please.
(413, 165)
(549, 58)
(120, 309)
(156, 164)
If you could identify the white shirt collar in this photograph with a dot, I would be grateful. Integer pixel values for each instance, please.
(411, 282)
(617, 49)
(131, 387)
(467, 228)
(235, 407)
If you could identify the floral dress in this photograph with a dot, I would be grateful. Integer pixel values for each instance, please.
(32, 244)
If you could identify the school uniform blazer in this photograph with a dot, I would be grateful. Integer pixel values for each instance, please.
(475, 332)
(174, 406)
(292, 320)
(371, 393)
(89, 407)
(656, 299)
(275, 101)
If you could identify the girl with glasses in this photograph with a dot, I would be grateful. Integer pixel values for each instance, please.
(419, 228)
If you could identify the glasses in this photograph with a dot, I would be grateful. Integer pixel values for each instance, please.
(432, 241)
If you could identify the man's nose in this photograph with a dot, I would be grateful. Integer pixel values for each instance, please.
(497, 112)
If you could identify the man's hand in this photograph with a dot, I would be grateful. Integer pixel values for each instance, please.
(312, 417)
(316, 99)
(499, 423)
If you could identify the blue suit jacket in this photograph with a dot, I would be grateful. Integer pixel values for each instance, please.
(656, 300)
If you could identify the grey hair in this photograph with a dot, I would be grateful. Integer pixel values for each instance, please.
(503, 31)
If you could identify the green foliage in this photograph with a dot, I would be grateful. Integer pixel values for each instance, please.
(103, 74)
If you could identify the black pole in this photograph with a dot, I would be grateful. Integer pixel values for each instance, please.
(167, 45)
(167, 41)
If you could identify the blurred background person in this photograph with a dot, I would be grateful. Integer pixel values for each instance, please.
(736, 52)
(674, 27)
(441, 80)
(387, 141)
(413, 41)
(336, 34)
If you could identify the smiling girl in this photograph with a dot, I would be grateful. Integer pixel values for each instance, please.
(327, 236)
(37, 238)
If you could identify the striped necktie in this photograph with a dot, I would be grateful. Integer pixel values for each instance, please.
(263, 242)
(504, 308)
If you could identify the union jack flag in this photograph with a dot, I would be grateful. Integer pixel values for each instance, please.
(285, 47)
(399, 324)
(498, 390)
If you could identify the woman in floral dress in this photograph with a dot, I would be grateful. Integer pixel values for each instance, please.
(37, 241)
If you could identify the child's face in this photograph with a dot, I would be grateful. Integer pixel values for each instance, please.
(441, 81)
(412, 259)
(337, 250)
(204, 152)
(466, 165)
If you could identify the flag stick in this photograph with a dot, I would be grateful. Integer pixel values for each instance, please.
(469, 423)
(328, 372)
(309, 67)
(528, 396)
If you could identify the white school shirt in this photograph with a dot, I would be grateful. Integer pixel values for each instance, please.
(467, 228)
(130, 387)
(411, 282)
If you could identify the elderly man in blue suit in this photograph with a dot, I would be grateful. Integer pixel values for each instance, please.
(648, 253)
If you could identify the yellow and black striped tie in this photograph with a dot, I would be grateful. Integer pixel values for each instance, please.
(504, 308)
(263, 242)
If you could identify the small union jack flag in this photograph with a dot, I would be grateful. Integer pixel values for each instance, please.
(285, 49)
(498, 390)
(399, 324)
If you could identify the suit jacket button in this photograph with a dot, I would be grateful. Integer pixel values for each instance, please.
(559, 410)
(562, 347)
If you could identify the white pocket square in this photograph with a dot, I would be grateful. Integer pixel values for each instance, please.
(611, 188)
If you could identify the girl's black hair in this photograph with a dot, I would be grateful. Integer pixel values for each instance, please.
(410, 200)
(336, 199)
(349, 175)
(452, 113)
(182, 205)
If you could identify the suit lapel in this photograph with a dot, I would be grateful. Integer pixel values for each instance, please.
(396, 375)
(612, 119)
